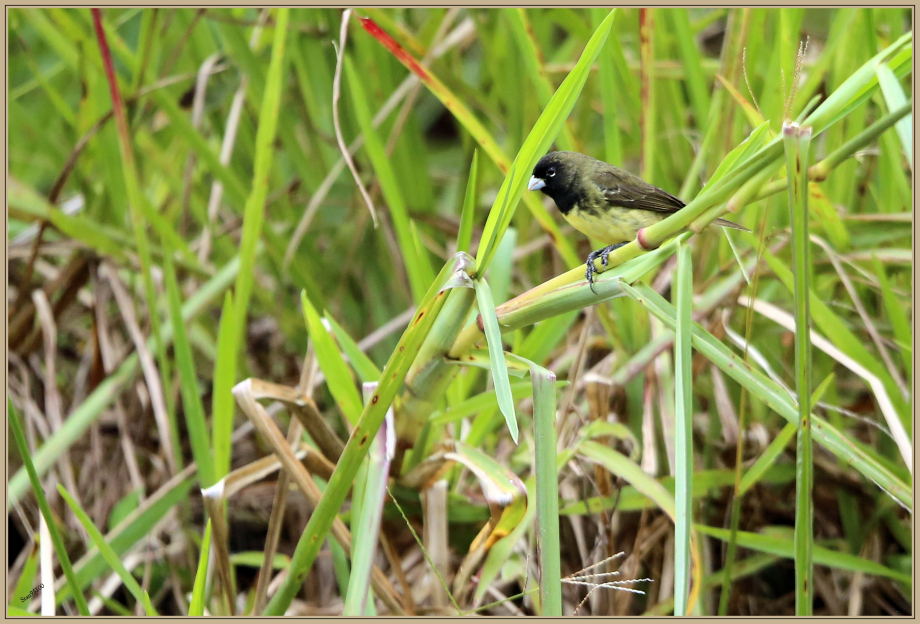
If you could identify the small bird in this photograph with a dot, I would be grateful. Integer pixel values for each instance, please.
(603, 201)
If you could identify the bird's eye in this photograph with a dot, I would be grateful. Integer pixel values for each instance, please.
(550, 172)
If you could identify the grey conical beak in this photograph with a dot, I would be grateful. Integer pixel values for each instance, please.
(535, 184)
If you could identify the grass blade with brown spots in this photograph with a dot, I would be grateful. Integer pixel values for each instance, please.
(453, 274)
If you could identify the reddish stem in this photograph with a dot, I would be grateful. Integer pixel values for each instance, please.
(118, 107)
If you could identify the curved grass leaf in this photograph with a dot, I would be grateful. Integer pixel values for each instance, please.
(107, 553)
(453, 273)
(776, 397)
(496, 355)
(482, 401)
(631, 499)
(103, 240)
(823, 556)
(858, 86)
(894, 98)
(538, 142)
(19, 436)
(472, 125)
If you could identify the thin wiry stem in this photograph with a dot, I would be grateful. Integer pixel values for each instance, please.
(336, 94)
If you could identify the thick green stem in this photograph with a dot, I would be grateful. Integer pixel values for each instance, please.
(798, 141)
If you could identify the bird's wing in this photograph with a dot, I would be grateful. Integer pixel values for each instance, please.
(636, 194)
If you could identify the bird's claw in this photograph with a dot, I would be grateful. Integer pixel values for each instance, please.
(594, 255)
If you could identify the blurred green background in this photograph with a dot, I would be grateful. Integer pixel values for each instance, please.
(191, 77)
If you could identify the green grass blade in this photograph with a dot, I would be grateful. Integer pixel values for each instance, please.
(254, 212)
(358, 443)
(538, 142)
(468, 213)
(775, 397)
(389, 186)
(683, 444)
(197, 604)
(367, 529)
(896, 316)
(767, 458)
(188, 382)
(522, 31)
(895, 98)
(26, 579)
(621, 466)
(364, 367)
(479, 133)
(823, 556)
(107, 553)
(102, 240)
(692, 65)
(129, 532)
(854, 89)
(544, 423)
(59, 548)
(338, 377)
(797, 142)
(222, 404)
(496, 355)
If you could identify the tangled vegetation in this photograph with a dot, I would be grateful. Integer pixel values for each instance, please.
(288, 334)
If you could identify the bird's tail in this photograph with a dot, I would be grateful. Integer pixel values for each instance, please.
(731, 225)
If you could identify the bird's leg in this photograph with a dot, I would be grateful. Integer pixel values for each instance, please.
(594, 255)
(607, 251)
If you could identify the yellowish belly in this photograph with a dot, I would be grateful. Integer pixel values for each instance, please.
(616, 225)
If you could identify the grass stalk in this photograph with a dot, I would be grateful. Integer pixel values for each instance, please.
(254, 211)
(797, 141)
(683, 448)
(544, 423)
(135, 205)
(367, 527)
(197, 604)
(358, 443)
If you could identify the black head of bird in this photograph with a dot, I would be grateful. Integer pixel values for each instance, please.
(555, 175)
